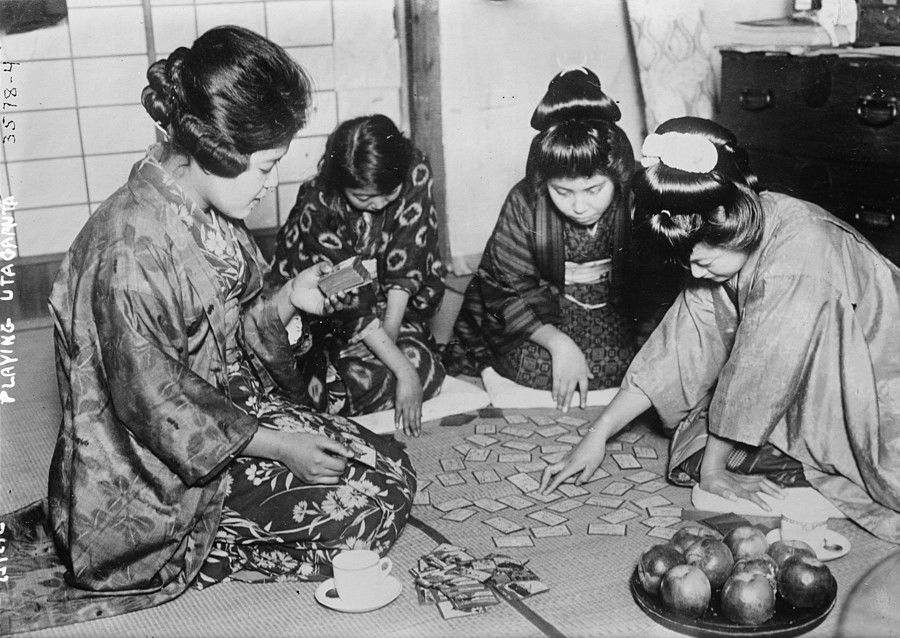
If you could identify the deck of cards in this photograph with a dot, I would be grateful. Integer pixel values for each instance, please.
(347, 275)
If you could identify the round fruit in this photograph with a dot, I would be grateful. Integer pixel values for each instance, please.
(806, 582)
(713, 557)
(655, 562)
(687, 535)
(685, 591)
(781, 550)
(763, 565)
(748, 599)
(746, 541)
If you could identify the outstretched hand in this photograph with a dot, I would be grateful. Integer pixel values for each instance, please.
(571, 374)
(408, 403)
(583, 461)
(736, 486)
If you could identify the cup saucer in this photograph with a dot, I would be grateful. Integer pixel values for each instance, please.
(833, 546)
(327, 595)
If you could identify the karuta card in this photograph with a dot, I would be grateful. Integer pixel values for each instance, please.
(489, 504)
(605, 501)
(642, 476)
(481, 440)
(574, 439)
(550, 448)
(571, 490)
(571, 420)
(485, 428)
(651, 486)
(452, 465)
(458, 516)
(477, 455)
(502, 524)
(522, 433)
(422, 484)
(550, 531)
(598, 474)
(630, 437)
(547, 518)
(422, 498)
(515, 501)
(553, 430)
(452, 504)
(486, 476)
(524, 482)
(521, 446)
(542, 420)
(448, 611)
(664, 510)
(618, 516)
(657, 500)
(626, 462)
(613, 446)
(531, 466)
(554, 457)
(666, 533)
(606, 529)
(513, 457)
(564, 506)
(516, 418)
(644, 452)
(544, 498)
(450, 479)
(462, 448)
(518, 540)
(616, 488)
(661, 521)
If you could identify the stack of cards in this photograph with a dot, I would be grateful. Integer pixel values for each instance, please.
(348, 275)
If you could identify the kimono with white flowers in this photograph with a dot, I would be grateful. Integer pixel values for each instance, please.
(170, 355)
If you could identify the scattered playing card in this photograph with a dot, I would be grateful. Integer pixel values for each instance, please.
(485, 428)
(598, 474)
(448, 611)
(630, 437)
(571, 420)
(661, 521)
(545, 498)
(550, 448)
(481, 440)
(489, 504)
(450, 479)
(618, 516)
(517, 540)
(422, 484)
(513, 430)
(626, 462)
(486, 476)
(574, 439)
(663, 510)
(521, 446)
(605, 501)
(564, 506)
(542, 420)
(606, 529)
(477, 455)
(502, 524)
(552, 431)
(554, 457)
(514, 457)
(462, 448)
(453, 504)
(642, 477)
(616, 488)
(422, 498)
(572, 490)
(531, 466)
(644, 452)
(452, 465)
(651, 486)
(656, 500)
(547, 518)
(550, 531)
(458, 516)
(515, 501)
(524, 482)
(666, 533)
(516, 418)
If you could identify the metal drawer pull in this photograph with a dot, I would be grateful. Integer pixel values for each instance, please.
(876, 110)
(874, 219)
(755, 99)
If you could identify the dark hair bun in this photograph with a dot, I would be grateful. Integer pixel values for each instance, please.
(160, 97)
(574, 94)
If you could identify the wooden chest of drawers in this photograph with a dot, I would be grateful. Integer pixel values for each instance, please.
(824, 128)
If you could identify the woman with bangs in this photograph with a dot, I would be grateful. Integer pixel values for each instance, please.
(544, 308)
(779, 363)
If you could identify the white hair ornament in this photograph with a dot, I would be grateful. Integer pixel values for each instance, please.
(686, 152)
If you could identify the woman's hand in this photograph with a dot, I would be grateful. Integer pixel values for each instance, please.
(313, 458)
(408, 402)
(734, 486)
(306, 296)
(585, 458)
(570, 373)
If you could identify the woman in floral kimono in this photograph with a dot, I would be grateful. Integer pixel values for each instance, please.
(545, 307)
(372, 199)
(183, 457)
(778, 363)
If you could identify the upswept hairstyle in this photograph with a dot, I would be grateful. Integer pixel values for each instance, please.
(577, 135)
(368, 151)
(720, 207)
(229, 95)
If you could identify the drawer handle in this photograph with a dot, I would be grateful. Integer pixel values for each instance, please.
(875, 110)
(756, 99)
(874, 219)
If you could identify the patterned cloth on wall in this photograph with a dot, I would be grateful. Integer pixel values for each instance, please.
(674, 55)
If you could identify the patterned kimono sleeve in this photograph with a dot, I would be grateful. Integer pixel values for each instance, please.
(188, 423)
(679, 364)
(785, 350)
(411, 258)
(511, 285)
(266, 336)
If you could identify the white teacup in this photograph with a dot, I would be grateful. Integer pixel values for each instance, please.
(359, 574)
(804, 525)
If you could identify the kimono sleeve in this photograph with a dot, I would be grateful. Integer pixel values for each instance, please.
(511, 285)
(679, 364)
(180, 417)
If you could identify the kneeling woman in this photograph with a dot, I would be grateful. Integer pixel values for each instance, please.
(545, 306)
(779, 361)
(182, 457)
(372, 199)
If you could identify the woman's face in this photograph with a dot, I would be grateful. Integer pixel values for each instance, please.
(236, 197)
(582, 199)
(369, 199)
(715, 263)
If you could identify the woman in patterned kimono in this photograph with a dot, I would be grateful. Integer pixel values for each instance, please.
(779, 361)
(545, 306)
(372, 199)
(183, 457)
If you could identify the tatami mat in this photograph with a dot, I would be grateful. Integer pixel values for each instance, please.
(588, 575)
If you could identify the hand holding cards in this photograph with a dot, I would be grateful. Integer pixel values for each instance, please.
(347, 275)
